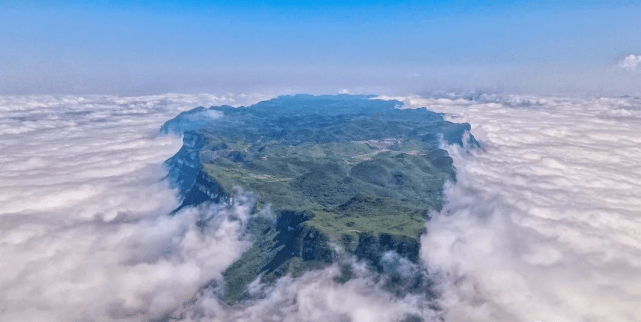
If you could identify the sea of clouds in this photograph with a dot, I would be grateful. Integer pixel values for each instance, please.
(85, 231)
(543, 223)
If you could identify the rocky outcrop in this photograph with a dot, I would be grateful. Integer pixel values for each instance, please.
(284, 247)
(185, 165)
(372, 248)
(204, 189)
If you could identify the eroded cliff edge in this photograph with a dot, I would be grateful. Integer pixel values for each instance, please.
(337, 176)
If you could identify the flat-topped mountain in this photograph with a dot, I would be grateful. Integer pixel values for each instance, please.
(341, 175)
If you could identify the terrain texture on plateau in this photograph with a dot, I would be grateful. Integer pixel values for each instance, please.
(335, 177)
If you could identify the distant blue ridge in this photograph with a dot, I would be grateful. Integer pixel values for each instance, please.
(261, 119)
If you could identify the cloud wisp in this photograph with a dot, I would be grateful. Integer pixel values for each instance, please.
(544, 224)
(630, 62)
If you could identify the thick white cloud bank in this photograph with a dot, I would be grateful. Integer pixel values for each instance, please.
(544, 223)
(85, 232)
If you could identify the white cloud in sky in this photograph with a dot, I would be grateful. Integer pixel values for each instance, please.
(544, 224)
(630, 62)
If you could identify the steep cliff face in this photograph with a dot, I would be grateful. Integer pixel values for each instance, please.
(203, 189)
(186, 174)
(185, 165)
(372, 248)
(288, 246)
(335, 177)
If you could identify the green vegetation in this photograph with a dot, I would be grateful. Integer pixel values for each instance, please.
(340, 175)
(348, 187)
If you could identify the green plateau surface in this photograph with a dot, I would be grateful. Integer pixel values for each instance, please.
(347, 187)
(334, 176)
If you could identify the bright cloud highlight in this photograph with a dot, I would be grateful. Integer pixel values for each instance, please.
(544, 223)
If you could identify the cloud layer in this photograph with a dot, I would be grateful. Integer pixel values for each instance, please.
(316, 296)
(85, 226)
(86, 234)
(544, 223)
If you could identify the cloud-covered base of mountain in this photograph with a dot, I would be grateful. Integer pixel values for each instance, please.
(544, 223)
(85, 232)
(316, 296)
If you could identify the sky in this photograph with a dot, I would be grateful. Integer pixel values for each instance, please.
(385, 47)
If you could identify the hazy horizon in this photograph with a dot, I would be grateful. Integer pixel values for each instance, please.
(392, 48)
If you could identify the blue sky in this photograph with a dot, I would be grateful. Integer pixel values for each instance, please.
(144, 47)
